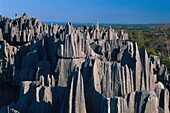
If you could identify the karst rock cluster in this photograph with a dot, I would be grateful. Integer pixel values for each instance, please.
(47, 68)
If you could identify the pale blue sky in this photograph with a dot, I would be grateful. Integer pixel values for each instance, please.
(90, 11)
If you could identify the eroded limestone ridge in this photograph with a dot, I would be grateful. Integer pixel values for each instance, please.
(65, 69)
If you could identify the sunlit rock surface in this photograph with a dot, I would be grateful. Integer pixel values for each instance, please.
(65, 69)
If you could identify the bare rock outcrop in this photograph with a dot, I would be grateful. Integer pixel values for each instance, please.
(47, 68)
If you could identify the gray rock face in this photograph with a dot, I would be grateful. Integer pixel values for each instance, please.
(62, 69)
(1, 36)
(142, 102)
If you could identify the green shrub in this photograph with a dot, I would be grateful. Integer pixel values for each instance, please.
(166, 62)
(144, 43)
(151, 51)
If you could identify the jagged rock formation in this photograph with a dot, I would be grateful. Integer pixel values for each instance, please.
(55, 69)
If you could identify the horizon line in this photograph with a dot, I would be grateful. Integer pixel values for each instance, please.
(102, 23)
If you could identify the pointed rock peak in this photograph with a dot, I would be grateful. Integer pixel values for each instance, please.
(96, 26)
(110, 27)
(16, 16)
(86, 27)
(24, 16)
(25, 87)
(122, 32)
(68, 24)
(144, 53)
(136, 51)
(69, 28)
(159, 85)
(77, 71)
(155, 59)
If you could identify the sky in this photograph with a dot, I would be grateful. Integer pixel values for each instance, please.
(91, 11)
